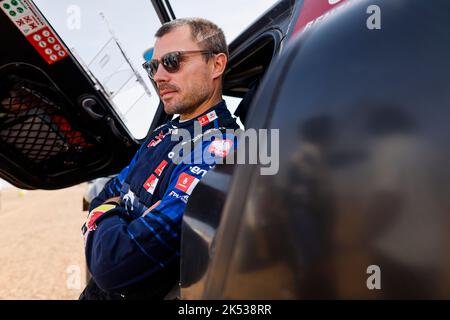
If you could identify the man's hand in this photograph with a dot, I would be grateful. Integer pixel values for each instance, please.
(151, 208)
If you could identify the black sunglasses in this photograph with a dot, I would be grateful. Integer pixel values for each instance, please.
(170, 61)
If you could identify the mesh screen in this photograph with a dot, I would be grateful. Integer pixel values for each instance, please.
(33, 125)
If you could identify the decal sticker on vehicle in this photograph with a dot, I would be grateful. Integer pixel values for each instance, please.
(312, 10)
(25, 16)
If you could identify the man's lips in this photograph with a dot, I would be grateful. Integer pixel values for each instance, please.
(162, 93)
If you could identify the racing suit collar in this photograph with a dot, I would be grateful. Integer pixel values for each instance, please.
(219, 110)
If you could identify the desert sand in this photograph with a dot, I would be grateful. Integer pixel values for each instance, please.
(41, 248)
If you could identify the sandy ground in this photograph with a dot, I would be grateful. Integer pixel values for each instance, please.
(41, 248)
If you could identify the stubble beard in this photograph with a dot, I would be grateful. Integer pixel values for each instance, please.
(196, 96)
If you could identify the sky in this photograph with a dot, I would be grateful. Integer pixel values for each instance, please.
(79, 24)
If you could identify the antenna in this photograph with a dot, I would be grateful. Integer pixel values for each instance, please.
(122, 51)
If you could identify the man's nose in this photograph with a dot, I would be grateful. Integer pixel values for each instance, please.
(161, 74)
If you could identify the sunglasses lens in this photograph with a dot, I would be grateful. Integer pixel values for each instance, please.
(171, 62)
(152, 67)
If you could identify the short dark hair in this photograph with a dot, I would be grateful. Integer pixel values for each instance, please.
(204, 32)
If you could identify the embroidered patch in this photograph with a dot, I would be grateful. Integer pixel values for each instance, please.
(207, 118)
(156, 140)
(97, 213)
(161, 167)
(186, 183)
(151, 183)
(220, 148)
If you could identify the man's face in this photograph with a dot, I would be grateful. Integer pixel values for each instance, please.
(185, 90)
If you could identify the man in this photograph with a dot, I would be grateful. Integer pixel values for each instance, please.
(132, 235)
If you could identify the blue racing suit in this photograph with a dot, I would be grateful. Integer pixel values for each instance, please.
(122, 246)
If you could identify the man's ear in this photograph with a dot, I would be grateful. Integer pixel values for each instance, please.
(219, 64)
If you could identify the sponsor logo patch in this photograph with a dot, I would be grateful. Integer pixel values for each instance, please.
(161, 167)
(156, 140)
(186, 183)
(207, 118)
(178, 196)
(95, 214)
(198, 171)
(151, 183)
(220, 148)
